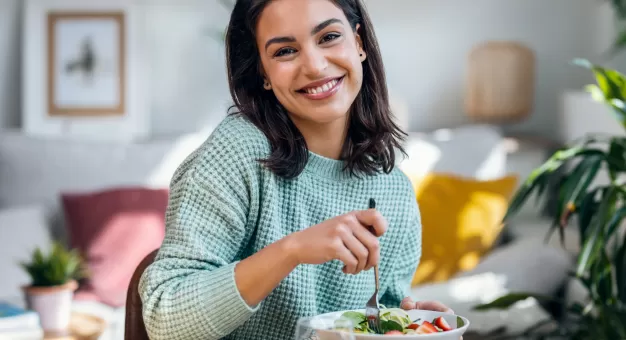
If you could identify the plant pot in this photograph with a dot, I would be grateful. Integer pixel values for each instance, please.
(53, 304)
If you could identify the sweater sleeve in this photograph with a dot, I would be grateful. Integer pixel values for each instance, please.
(189, 292)
(406, 263)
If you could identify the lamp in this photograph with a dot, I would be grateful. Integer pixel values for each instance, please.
(500, 82)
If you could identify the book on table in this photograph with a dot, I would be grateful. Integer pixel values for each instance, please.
(17, 323)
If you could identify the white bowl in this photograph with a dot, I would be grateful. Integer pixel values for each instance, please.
(451, 319)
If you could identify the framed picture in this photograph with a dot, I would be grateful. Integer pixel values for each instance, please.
(84, 70)
(86, 63)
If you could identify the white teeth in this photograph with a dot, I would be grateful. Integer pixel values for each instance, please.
(324, 88)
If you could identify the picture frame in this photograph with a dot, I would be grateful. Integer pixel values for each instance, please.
(86, 63)
(84, 70)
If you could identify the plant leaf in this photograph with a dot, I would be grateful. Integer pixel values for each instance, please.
(601, 275)
(617, 155)
(354, 317)
(509, 300)
(55, 268)
(620, 271)
(578, 182)
(612, 86)
(390, 325)
(587, 208)
(543, 173)
(595, 241)
(615, 222)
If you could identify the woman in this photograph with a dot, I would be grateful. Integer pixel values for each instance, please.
(268, 220)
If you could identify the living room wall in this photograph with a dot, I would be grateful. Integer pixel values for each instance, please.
(424, 43)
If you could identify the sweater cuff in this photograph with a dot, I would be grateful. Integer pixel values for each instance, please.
(224, 302)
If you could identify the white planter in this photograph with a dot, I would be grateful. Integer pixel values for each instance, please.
(53, 304)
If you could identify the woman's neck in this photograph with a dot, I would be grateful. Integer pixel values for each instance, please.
(324, 139)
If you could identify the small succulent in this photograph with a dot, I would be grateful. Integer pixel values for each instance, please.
(57, 267)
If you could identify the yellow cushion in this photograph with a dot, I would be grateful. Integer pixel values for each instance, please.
(461, 220)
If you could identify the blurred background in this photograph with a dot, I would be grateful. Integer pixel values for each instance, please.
(100, 101)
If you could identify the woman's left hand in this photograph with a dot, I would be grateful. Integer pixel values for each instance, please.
(408, 303)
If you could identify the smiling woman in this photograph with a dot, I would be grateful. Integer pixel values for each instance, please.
(268, 221)
(310, 75)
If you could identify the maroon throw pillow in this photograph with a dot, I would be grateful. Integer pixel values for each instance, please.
(114, 229)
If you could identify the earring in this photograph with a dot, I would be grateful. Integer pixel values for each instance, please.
(267, 85)
(360, 54)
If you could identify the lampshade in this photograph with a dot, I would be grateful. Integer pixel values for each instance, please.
(500, 82)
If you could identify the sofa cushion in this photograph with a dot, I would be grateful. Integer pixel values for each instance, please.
(35, 170)
(114, 229)
(22, 230)
(528, 265)
(521, 266)
(474, 151)
(461, 221)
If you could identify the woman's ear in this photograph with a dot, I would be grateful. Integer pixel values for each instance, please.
(359, 43)
(266, 83)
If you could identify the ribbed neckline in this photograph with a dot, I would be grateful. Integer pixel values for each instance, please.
(328, 168)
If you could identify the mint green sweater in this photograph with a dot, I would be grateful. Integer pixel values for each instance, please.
(225, 206)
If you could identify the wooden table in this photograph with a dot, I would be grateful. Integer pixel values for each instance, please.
(82, 327)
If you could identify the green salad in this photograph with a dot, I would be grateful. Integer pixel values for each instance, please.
(396, 321)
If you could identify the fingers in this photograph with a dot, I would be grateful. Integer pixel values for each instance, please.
(358, 240)
(373, 218)
(407, 303)
(370, 242)
(358, 250)
(434, 306)
(349, 260)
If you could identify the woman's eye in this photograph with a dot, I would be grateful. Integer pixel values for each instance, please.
(330, 37)
(284, 51)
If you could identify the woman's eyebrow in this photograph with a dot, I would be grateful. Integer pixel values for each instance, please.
(324, 24)
(315, 30)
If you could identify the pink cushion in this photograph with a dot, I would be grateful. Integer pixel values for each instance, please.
(114, 229)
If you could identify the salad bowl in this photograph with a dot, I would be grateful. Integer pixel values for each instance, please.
(396, 324)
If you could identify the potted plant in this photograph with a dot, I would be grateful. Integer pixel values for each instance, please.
(53, 282)
(598, 212)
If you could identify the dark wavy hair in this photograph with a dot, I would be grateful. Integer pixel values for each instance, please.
(372, 137)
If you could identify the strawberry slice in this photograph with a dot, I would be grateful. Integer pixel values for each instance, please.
(394, 332)
(413, 326)
(442, 324)
(426, 328)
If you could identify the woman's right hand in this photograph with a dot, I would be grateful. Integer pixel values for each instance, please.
(346, 238)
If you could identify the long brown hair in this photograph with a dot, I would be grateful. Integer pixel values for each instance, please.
(372, 138)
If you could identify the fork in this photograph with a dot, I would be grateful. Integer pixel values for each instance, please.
(372, 308)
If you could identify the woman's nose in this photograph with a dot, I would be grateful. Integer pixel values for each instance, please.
(314, 62)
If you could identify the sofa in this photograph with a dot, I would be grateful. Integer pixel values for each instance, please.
(41, 177)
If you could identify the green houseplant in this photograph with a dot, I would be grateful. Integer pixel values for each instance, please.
(53, 281)
(598, 211)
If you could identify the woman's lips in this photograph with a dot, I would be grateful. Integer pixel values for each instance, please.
(323, 91)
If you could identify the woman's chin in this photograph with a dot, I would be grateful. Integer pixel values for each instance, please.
(325, 117)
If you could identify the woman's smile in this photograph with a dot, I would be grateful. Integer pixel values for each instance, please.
(322, 89)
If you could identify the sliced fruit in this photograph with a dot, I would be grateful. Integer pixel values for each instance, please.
(426, 328)
(442, 324)
(394, 332)
(413, 326)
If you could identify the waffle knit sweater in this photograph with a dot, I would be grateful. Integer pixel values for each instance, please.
(224, 206)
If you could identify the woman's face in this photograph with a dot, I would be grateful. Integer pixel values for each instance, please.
(311, 58)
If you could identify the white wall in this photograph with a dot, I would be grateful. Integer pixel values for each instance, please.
(424, 42)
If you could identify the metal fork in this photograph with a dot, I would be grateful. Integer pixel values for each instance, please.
(372, 309)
